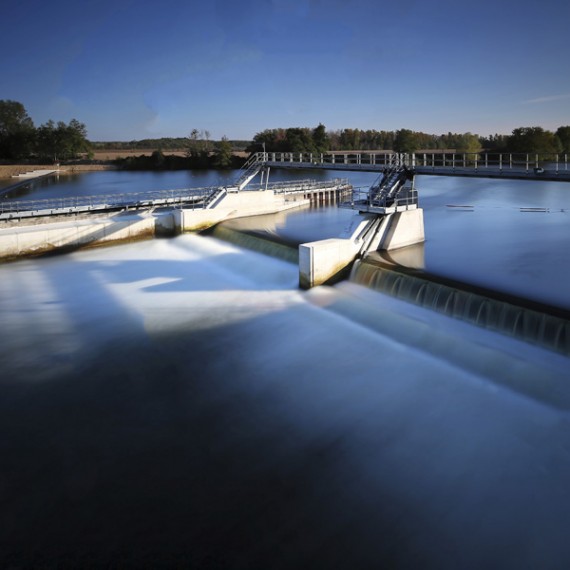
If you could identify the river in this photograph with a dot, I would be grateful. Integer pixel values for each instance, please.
(181, 403)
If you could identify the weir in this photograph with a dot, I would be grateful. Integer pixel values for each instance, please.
(33, 227)
(532, 322)
(388, 218)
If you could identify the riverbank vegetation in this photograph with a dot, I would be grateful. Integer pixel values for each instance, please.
(55, 142)
(51, 142)
(524, 139)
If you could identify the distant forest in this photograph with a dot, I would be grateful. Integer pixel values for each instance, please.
(534, 140)
(52, 142)
(305, 139)
(163, 144)
(522, 140)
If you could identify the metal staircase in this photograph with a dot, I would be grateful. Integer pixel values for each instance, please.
(254, 165)
(215, 198)
(385, 190)
(389, 193)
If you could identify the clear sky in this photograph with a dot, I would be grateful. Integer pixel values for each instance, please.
(132, 69)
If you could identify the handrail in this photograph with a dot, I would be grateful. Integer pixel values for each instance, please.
(429, 162)
(250, 169)
(108, 201)
(206, 197)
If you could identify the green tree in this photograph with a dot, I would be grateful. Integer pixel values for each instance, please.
(198, 148)
(17, 132)
(157, 159)
(349, 139)
(563, 134)
(223, 155)
(76, 138)
(406, 141)
(46, 141)
(534, 140)
(468, 143)
(193, 148)
(495, 142)
(320, 138)
(299, 139)
(61, 141)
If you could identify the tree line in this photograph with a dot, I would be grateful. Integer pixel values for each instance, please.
(163, 144)
(200, 154)
(20, 139)
(522, 140)
(53, 142)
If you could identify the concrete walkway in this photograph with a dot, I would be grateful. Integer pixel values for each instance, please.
(25, 177)
(35, 173)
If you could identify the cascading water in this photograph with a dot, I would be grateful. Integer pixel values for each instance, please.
(179, 402)
(256, 242)
(484, 309)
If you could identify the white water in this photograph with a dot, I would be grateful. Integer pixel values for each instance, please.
(181, 400)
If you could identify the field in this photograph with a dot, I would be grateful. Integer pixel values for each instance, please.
(114, 154)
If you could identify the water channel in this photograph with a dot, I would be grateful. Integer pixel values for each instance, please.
(181, 403)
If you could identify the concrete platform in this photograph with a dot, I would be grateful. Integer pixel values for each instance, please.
(36, 173)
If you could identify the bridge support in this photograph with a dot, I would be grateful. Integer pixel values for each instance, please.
(322, 261)
(235, 205)
(399, 229)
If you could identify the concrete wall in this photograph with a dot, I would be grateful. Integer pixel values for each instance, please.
(320, 261)
(18, 241)
(405, 228)
(48, 235)
(236, 205)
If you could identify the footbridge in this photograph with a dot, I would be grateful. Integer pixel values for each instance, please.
(388, 214)
(482, 165)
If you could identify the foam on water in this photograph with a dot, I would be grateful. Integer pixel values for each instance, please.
(182, 403)
(514, 316)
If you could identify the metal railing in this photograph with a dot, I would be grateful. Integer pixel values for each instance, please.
(377, 159)
(490, 163)
(306, 185)
(250, 169)
(526, 162)
(194, 198)
(363, 199)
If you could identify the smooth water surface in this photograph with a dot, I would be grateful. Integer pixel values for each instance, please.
(180, 403)
(123, 182)
(509, 235)
(500, 242)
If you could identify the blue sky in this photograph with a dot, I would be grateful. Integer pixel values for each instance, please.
(132, 69)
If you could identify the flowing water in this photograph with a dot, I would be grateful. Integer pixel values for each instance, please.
(181, 403)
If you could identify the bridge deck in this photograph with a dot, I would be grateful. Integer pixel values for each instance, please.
(523, 167)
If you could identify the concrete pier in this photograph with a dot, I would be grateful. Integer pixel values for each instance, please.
(28, 240)
(236, 205)
(65, 233)
(321, 261)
